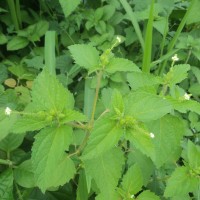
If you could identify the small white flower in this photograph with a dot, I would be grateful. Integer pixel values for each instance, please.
(175, 58)
(187, 96)
(152, 135)
(8, 111)
(132, 196)
(119, 39)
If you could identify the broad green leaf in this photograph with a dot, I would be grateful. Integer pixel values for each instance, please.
(6, 186)
(132, 181)
(104, 136)
(145, 106)
(194, 15)
(11, 142)
(24, 175)
(82, 190)
(28, 123)
(35, 31)
(109, 167)
(183, 105)
(176, 74)
(69, 6)
(120, 65)
(145, 163)
(21, 72)
(181, 182)
(6, 123)
(195, 89)
(168, 132)
(85, 55)
(141, 140)
(193, 153)
(49, 94)
(148, 195)
(49, 158)
(142, 80)
(17, 43)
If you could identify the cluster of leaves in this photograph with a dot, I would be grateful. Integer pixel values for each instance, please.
(112, 117)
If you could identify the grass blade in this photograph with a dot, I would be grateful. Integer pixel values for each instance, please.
(178, 32)
(133, 19)
(148, 41)
(49, 51)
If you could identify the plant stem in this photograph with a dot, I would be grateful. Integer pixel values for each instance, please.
(91, 122)
(5, 162)
(188, 57)
(99, 77)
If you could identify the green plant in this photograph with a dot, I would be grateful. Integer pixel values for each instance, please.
(83, 116)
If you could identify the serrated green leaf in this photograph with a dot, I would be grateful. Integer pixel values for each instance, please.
(181, 183)
(193, 153)
(24, 124)
(109, 168)
(11, 142)
(177, 74)
(184, 105)
(49, 158)
(168, 131)
(132, 181)
(48, 94)
(69, 6)
(120, 65)
(17, 43)
(148, 195)
(24, 175)
(104, 136)
(85, 55)
(141, 139)
(6, 186)
(142, 80)
(145, 163)
(145, 106)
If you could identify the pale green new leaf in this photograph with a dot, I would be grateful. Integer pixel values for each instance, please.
(146, 106)
(148, 195)
(181, 183)
(117, 102)
(69, 6)
(6, 186)
(132, 181)
(193, 153)
(109, 168)
(48, 154)
(85, 55)
(168, 132)
(49, 94)
(104, 136)
(121, 65)
(24, 175)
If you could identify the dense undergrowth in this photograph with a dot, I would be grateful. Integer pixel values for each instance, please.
(99, 100)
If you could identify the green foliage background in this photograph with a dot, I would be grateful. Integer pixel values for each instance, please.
(94, 104)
